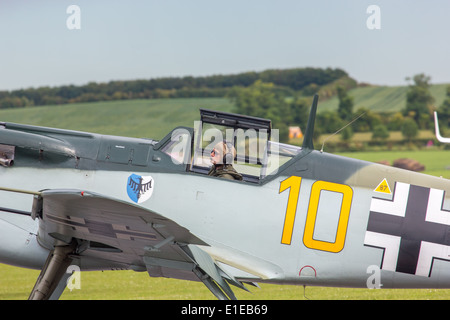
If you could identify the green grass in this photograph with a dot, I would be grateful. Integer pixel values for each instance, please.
(394, 136)
(132, 118)
(382, 98)
(16, 284)
(437, 162)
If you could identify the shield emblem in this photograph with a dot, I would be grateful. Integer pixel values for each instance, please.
(140, 188)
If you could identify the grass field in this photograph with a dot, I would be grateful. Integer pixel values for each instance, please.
(437, 162)
(131, 118)
(383, 98)
(16, 284)
(154, 119)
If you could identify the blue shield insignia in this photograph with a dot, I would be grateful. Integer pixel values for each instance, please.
(140, 188)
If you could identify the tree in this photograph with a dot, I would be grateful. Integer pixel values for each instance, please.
(346, 134)
(410, 129)
(444, 110)
(396, 121)
(419, 100)
(264, 101)
(380, 132)
(368, 121)
(300, 112)
(345, 108)
(328, 121)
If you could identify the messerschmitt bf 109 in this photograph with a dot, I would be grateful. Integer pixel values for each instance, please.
(296, 216)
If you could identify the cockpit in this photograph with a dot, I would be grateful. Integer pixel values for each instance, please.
(259, 154)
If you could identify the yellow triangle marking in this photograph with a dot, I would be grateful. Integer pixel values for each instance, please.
(383, 187)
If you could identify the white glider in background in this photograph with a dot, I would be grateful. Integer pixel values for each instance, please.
(436, 129)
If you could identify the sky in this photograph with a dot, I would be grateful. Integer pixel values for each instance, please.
(42, 43)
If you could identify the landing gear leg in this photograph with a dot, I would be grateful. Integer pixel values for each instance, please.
(54, 270)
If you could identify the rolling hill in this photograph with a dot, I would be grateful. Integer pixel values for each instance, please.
(154, 118)
(382, 98)
(133, 118)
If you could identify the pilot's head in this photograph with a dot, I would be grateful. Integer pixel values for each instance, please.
(223, 152)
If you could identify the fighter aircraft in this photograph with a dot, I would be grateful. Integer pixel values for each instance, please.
(298, 216)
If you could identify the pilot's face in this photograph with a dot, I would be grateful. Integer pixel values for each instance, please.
(216, 156)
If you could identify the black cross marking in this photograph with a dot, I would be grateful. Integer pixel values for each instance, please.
(412, 228)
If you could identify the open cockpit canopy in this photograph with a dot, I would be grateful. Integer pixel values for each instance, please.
(258, 152)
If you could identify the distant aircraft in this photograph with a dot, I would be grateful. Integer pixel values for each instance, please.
(298, 216)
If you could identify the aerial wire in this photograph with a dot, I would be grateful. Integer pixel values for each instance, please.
(321, 150)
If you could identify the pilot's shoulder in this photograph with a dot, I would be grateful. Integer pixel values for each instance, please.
(230, 173)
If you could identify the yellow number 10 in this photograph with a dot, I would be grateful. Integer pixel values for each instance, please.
(293, 183)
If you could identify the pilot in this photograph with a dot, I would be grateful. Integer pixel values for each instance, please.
(222, 156)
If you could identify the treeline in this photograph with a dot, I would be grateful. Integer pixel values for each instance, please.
(306, 80)
(264, 100)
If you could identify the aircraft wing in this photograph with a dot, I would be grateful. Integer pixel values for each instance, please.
(127, 236)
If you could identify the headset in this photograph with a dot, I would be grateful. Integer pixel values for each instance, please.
(228, 157)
